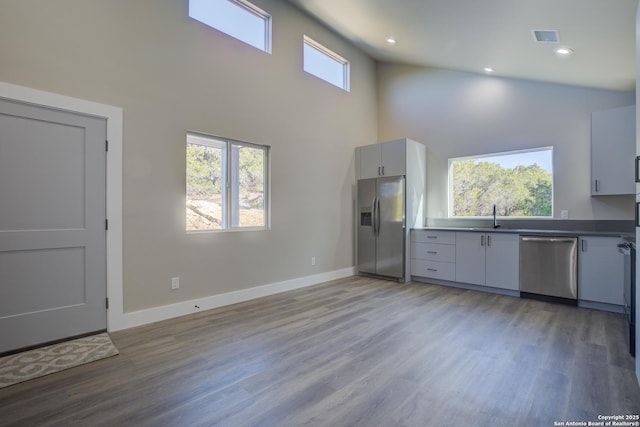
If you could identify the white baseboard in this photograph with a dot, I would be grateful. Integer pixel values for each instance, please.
(143, 317)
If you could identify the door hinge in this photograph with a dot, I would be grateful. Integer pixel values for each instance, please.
(106, 301)
(106, 145)
(106, 224)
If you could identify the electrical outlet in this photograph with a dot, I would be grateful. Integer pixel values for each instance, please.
(175, 283)
(313, 260)
(564, 214)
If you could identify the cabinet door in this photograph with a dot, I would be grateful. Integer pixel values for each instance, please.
(470, 261)
(613, 140)
(601, 274)
(502, 261)
(393, 155)
(369, 161)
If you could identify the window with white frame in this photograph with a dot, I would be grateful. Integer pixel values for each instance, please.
(237, 18)
(325, 64)
(227, 184)
(518, 183)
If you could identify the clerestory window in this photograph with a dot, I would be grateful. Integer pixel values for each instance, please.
(325, 64)
(237, 18)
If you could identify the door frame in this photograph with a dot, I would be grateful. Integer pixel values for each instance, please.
(113, 116)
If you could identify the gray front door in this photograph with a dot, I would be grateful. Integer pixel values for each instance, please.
(52, 225)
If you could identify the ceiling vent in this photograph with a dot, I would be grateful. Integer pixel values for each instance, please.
(545, 36)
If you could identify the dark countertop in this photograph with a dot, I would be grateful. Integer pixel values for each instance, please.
(536, 232)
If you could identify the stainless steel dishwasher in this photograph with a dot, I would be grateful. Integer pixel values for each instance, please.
(549, 268)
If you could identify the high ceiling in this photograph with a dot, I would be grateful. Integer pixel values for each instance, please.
(469, 35)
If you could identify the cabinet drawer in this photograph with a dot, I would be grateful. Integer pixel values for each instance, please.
(433, 251)
(433, 236)
(433, 269)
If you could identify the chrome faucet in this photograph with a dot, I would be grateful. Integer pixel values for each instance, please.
(495, 221)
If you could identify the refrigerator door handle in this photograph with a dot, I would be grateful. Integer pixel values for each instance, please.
(637, 168)
(378, 216)
(373, 215)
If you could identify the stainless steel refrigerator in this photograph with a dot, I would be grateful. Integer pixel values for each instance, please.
(381, 223)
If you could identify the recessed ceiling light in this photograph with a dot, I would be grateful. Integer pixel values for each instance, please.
(488, 70)
(391, 40)
(563, 51)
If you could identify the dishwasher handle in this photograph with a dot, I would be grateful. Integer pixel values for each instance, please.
(547, 239)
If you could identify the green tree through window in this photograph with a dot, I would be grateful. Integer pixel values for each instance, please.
(227, 185)
(514, 182)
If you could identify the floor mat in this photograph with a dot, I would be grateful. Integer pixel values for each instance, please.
(42, 361)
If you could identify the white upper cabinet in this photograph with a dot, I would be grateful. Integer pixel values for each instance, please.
(393, 157)
(613, 146)
(385, 159)
(368, 161)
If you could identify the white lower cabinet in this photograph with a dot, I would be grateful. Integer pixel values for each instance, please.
(488, 259)
(433, 254)
(493, 260)
(503, 261)
(601, 270)
(470, 258)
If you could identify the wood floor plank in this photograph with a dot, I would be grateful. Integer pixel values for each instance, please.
(356, 351)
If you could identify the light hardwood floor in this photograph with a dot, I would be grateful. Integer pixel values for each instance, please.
(353, 352)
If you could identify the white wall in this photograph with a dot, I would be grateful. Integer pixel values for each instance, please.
(461, 114)
(171, 74)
